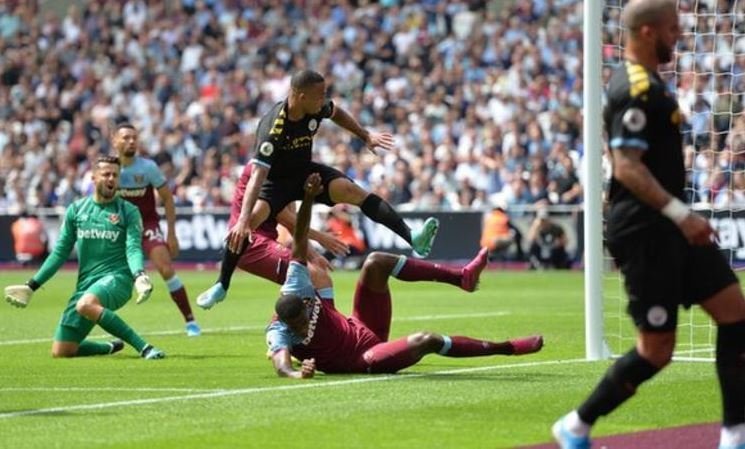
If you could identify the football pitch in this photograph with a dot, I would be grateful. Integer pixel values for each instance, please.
(219, 390)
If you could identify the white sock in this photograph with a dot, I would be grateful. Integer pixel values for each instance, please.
(574, 424)
(732, 436)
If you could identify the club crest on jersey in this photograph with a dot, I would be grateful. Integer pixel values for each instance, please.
(312, 124)
(634, 120)
(114, 218)
(139, 179)
(266, 149)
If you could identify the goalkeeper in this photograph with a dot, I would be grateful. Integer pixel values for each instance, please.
(108, 232)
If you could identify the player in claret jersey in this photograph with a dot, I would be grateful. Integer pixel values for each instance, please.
(107, 231)
(139, 179)
(282, 159)
(308, 326)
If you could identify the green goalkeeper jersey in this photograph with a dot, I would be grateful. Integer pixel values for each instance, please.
(109, 241)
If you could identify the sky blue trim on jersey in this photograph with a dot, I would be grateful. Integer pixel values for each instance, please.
(174, 283)
(326, 293)
(279, 336)
(399, 266)
(261, 163)
(446, 345)
(141, 173)
(297, 281)
(621, 142)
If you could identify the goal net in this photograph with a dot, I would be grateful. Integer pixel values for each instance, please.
(708, 77)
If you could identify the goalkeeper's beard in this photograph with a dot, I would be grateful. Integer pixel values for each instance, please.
(105, 192)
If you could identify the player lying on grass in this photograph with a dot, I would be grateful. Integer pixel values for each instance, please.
(108, 232)
(308, 326)
(268, 258)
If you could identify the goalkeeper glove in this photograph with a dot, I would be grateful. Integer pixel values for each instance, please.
(18, 295)
(143, 286)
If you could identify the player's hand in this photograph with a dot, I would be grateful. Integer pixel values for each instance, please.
(308, 369)
(313, 186)
(172, 242)
(697, 230)
(144, 287)
(379, 140)
(18, 295)
(237, 235)
(333, 245)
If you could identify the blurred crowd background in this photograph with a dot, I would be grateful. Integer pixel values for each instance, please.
(484, 97)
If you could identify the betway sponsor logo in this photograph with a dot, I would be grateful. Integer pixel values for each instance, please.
(98, 234)
(132, 193)
(313, 321)
(200, 232)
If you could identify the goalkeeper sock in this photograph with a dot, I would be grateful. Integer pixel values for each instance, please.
(380, 211)
(178, 295)
(229, 262)
(408, 269)
(88, 347)
(619, 384)
(111, 323)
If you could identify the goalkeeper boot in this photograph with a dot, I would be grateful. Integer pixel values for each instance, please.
(566, 438)
(423, 239)
(193, 329)
(470, 274)
(211, 296)
(150, 352)
(116, 346)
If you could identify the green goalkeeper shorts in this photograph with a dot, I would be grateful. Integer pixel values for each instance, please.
(111, 290)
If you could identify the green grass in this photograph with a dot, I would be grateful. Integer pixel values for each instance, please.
(225, 394)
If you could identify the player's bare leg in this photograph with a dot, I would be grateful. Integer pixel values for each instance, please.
(229, 262)
(161, 258)
(343, 190)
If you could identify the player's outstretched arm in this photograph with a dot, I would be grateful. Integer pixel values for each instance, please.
(283, 366)
(372, 139)
(61, 251)
(312, 189)
(630, 171)
(241, 230)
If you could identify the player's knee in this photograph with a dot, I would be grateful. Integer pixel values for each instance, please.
(379, 263)
(426, 342)
(85, 305)
(658, 350)
(342, 190)
(61, 353)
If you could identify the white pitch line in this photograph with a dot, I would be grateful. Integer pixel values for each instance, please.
(113, 389)
(261, 327)
(294, 386)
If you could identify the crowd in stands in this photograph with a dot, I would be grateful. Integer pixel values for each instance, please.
(484, 98)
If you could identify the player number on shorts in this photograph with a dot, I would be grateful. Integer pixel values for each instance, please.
(153, 234)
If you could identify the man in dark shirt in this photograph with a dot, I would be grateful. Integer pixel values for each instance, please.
(663, 249)
(283, 160)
